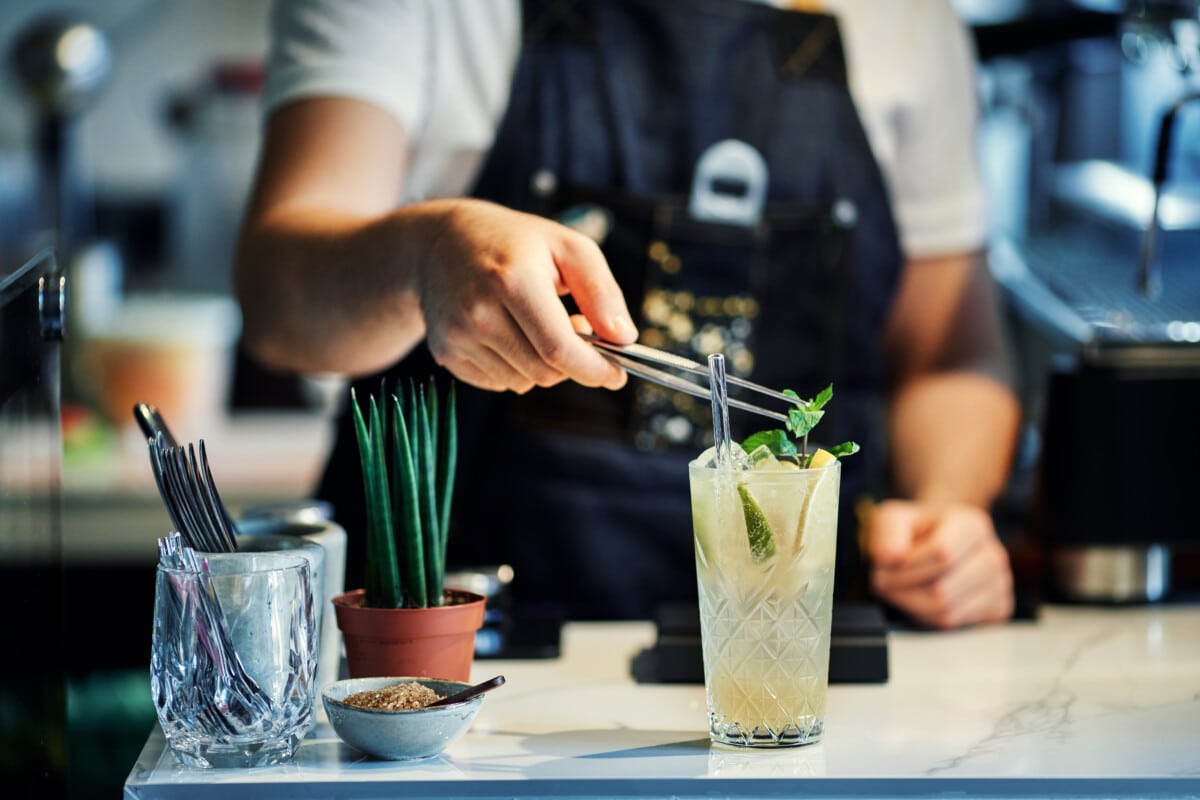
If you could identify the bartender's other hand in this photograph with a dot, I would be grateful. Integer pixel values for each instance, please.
(943, 565)
(490, 296)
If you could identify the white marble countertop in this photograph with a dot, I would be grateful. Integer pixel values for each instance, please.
(1084, 702)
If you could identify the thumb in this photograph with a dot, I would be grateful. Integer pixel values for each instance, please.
(890, 532)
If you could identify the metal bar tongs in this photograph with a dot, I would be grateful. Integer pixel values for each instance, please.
(636, 359)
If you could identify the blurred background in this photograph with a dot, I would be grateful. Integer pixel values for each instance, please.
(128, 134)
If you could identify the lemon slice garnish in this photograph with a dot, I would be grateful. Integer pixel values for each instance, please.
(821, 458)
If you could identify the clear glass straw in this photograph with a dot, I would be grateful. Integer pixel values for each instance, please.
(720, 409)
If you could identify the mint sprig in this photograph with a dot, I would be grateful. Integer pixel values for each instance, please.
(801, 420)
(807, 413)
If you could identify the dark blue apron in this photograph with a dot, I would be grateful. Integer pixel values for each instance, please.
(584, 491)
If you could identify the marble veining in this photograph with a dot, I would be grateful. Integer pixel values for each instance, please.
(1047, 715)
(1081, 702)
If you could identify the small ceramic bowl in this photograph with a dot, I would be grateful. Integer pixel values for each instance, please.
(398, 735)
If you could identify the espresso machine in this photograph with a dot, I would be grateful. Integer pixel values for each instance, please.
(1113, 285)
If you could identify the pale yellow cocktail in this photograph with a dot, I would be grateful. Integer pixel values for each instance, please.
(765, 543)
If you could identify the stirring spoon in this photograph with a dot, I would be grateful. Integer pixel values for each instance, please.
(468, 693)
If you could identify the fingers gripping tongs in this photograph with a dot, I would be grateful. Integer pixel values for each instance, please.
(644, 362)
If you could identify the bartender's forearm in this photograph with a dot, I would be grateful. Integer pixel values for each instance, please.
(953, 436)
(323, 291)
(953, 418)
(327, 266)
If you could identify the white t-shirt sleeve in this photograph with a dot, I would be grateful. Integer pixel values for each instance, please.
(443, 68)
(912, 74)
(370, 50)
(938, 196)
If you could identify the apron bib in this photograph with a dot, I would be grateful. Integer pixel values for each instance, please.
(585, 491)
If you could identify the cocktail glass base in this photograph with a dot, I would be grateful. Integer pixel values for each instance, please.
(763, 736)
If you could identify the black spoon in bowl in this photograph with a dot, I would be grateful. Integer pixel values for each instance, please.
(469, 692)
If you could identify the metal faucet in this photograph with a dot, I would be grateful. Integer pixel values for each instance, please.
(1149, 268)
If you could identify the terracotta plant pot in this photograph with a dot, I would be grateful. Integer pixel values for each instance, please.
(437, 642)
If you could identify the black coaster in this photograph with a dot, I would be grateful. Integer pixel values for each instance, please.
(857, 653)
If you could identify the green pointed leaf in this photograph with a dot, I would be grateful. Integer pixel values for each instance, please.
(426, 487)
(431, 400)
(391, 585)
(447, 466)
(371, 578)
(802, 420)
(845, 449)
(386, 581)
(776, 440)
(823, 397)
(408, 516)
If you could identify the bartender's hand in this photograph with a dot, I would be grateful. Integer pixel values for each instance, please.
(489, 292)
(943, 566)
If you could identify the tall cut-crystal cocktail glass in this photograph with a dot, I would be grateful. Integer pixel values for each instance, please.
(765, 542)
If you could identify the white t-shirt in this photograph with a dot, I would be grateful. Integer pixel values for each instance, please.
(443, 68)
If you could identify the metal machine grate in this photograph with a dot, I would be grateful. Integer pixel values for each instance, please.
(1091, 268)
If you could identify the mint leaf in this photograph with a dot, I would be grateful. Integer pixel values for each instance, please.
(807, 413)
(823, 397)
(802, 420)
(844, 449)
(777, 440)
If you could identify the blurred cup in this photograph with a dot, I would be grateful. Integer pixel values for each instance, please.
(172, 350)
(251, 707)
(324, 543)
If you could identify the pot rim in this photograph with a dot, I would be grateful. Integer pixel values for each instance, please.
(354, 598)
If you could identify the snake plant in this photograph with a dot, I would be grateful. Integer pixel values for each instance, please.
(409, 449)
